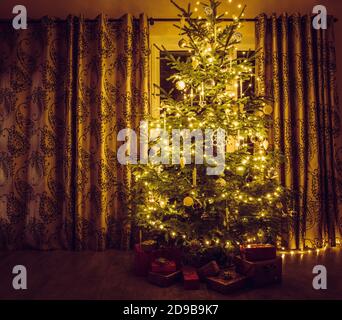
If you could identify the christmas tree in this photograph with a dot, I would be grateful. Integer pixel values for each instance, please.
(221, 189)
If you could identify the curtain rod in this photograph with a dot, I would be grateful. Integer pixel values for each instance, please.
(150, 20)
(153, 20)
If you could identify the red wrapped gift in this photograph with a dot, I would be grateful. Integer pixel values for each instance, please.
(164, 266)
(258, 252)
(227, 282)
(261, 273)
(190, 278)
(164, 280)
(143, 258)
(142, 261)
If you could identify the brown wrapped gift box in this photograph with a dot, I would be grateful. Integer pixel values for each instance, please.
(164, 280)
(260, 273)
(225, 286)
(209, 270)
(258, 252)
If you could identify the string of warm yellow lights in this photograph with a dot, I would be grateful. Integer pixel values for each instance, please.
(220, 93)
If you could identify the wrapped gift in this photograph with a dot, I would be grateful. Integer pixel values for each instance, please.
(227, 282)
(142, 260)
(258, 252)
(209, 270)
(190, 278)
(164, 266)
(164, 280)
(260, 273)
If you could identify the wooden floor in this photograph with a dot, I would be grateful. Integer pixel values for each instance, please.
(108, 275)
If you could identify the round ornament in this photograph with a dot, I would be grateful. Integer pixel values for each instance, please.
(188, 201)
(221, 182)
(180, 85)
(237, 36)
(208, 11)
(259, 113)
(261, 233)
(209, 83)
(265, 144)
(162, 203)
(267, 110)
(241, 170)
(279, 205)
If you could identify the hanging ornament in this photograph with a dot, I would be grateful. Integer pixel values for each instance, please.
(267, 109)
(209, 83)
(279, 205)
(182, 43)
(265, 144)
(208, 11)
(240, 170)
(195, 63)
(261, 233)
(221, 182)
(259, 113)
(237, 36)
(162, 203)
(188, 201)
(180, 85)
(182, 162)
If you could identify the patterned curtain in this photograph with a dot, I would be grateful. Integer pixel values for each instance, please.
(66, 89)
(296, 69)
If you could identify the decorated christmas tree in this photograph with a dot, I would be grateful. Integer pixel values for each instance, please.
(209, 179)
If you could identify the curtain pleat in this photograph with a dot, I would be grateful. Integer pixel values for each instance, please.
(66, 89)
(296, 69)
